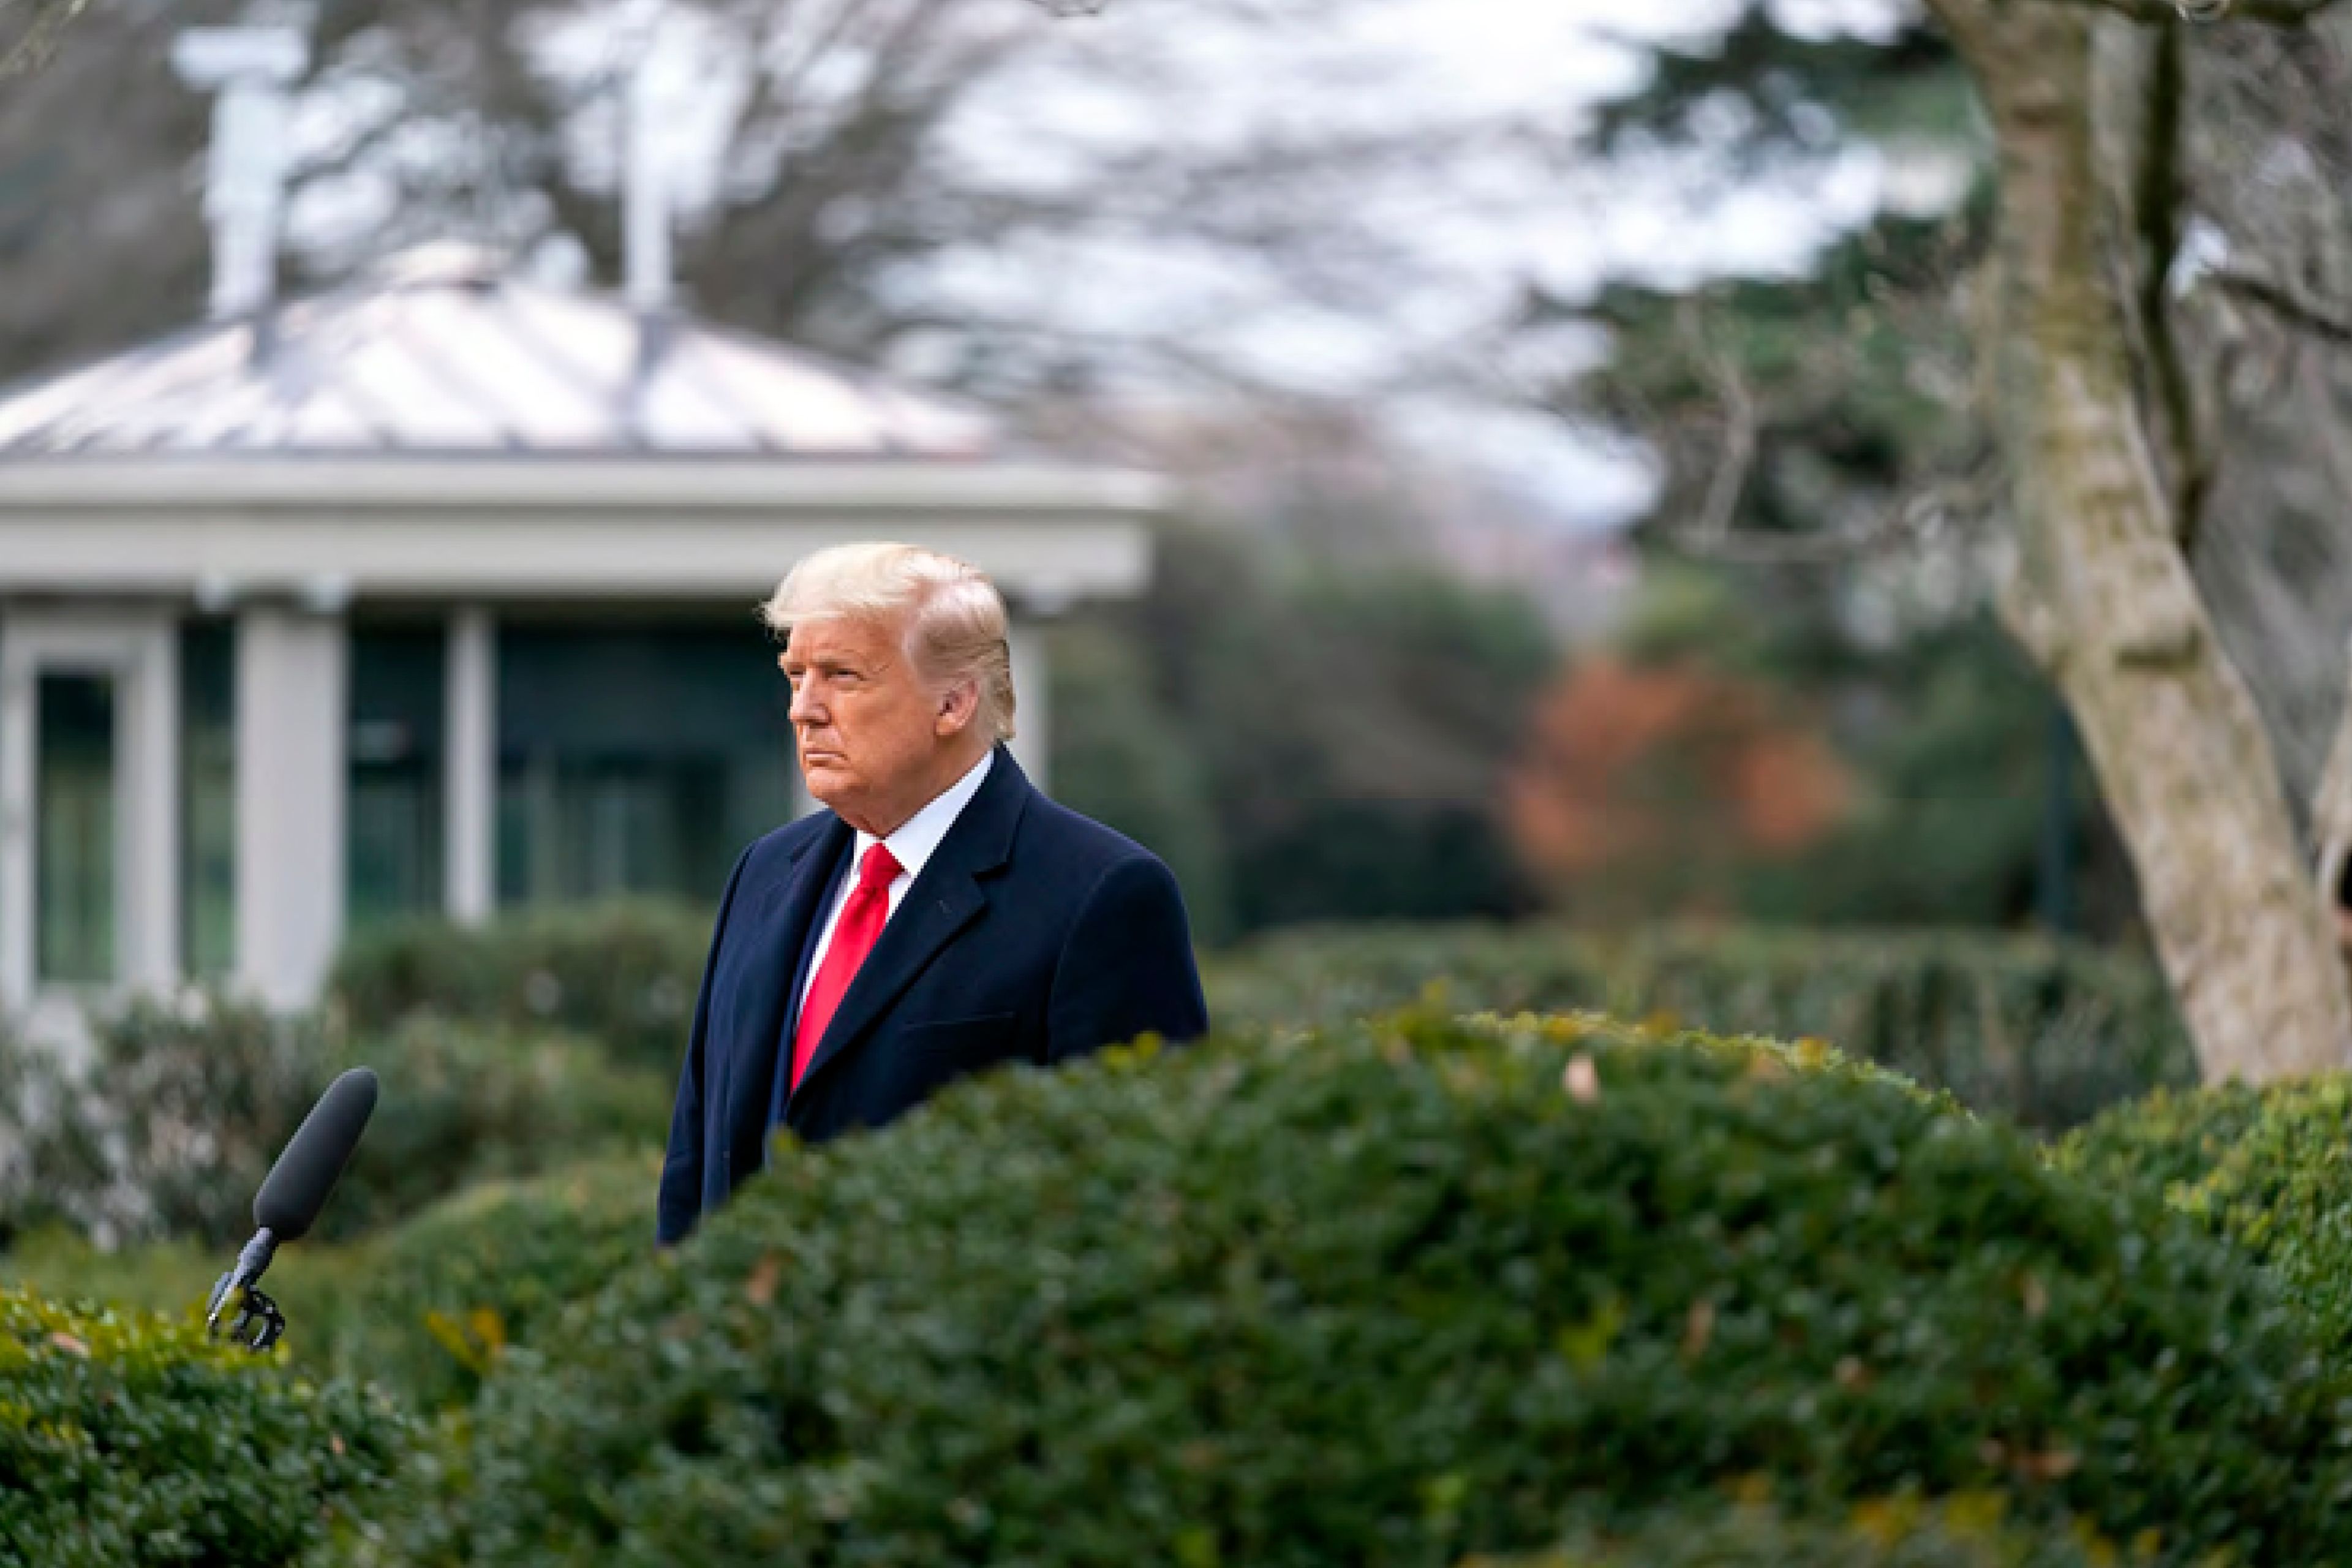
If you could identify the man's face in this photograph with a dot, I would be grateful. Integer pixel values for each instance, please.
(869, 726)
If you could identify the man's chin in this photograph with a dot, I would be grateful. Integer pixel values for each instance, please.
(826, 780)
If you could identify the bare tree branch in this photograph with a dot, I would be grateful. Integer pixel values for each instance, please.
(1713, 532)
(35, 35)
(1727, 484)
(1909, 517)
(2290, 304)
(2269, 13)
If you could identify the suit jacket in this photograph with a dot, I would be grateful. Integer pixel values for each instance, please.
(1032, 935)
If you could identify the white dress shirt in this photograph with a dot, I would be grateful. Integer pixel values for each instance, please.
(917, 839)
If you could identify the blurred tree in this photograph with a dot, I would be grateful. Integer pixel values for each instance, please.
(836, 159)
(1650, 790)
(2105, 358)
(1939, 747)
(2099, 422)
(1951, 740)
(100, 237)
(1350, 727)
(2261, 301)
(500, 121)
(28, 32)
(1795, 416)
(491, 120)
(1120, 757)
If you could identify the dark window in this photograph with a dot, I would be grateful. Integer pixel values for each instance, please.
(74, 804)
(208, 798)
(636, 758)
(394, 826)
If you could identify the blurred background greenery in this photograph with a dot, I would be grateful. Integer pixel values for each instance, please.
(1582, 591)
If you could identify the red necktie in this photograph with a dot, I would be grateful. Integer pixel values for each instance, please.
(853, 938)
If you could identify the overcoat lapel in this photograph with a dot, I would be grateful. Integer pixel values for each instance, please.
(947, 897)
(779, 930)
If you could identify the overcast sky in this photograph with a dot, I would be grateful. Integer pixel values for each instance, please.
(1479, 235)
(1467, 237)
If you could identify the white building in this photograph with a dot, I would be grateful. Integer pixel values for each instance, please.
(436, 593)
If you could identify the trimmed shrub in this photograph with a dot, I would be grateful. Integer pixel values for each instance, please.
(2046, 1033)
(622, 973)
(427, 1308)
(129, 1440)
(35, 1139)
(2165, 1140)
(170, 1277)
(171, 1125)
(181, 1113)
(432, 1307)
(2271, 1169)
(1394, 1294)
(1959, 1533)
(461, 1105)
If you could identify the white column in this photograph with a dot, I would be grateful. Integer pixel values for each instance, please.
(470, 766)
(17, 739)
(147, 796)
(1031, 707)
(292, 782)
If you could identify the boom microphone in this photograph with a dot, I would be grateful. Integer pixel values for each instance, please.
(289, 1200)
(296, 1186)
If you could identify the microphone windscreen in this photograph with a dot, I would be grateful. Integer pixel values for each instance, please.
(296, 1186)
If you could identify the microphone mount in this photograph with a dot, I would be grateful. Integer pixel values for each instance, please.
(259, 1323)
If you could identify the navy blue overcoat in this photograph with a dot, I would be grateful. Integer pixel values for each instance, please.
(1032, 935)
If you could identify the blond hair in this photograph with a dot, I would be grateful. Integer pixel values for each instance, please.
(957, 624)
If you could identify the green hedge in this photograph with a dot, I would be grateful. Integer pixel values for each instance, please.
(426, 1309)
(1397, 1294)
(461, 1105)
(128, 1440)
(182, 1113)
(171, 1126)
(2047, 1033)
(1901, 1532)
(170, 1277)
(623, 972)
(432, 1307)
(2271, 1169)
(2166, 1140)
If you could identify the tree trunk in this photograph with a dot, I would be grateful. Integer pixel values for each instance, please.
(2100, 591)
(2331, 825)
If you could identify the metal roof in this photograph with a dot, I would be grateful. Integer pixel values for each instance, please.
(436, 352)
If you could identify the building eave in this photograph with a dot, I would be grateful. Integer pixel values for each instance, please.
(601, 483)
(222, 532)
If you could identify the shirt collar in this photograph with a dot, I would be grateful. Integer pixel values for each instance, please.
(918, 837)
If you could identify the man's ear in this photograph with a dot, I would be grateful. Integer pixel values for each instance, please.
(958, 706)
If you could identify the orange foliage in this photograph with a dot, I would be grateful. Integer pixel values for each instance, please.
(1658, 780)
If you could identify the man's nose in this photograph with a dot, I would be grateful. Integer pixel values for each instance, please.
(806, 708)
